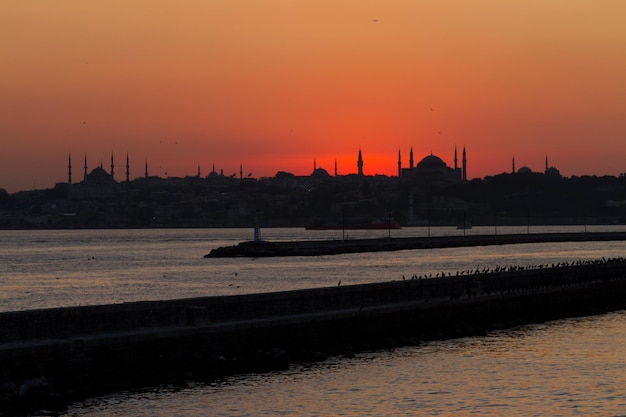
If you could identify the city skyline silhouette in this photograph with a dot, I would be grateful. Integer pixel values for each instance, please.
(275, 85)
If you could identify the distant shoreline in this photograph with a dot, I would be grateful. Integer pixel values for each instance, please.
(258, 249)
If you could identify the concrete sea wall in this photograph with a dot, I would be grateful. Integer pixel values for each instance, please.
(58, 354)
(334, 247)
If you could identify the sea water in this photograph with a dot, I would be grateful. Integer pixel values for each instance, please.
(573, 367)
(59, 268)
(569, 367)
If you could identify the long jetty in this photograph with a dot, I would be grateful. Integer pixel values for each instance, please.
(259, 249)
(51, 356)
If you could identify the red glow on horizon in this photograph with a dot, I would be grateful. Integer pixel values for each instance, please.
(275, 85)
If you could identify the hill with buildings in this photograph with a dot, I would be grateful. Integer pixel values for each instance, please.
(427, 193)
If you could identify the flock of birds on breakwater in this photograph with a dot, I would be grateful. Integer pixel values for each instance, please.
(514, 268)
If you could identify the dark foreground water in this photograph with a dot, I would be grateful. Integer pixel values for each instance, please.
(565, 368)
(574, 367)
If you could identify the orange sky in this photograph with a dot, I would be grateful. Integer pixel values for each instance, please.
(275, 84)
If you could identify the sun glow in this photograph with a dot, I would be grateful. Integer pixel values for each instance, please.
(274, 85)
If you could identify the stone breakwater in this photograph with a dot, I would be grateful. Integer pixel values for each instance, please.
(259, 249)
(52, 356)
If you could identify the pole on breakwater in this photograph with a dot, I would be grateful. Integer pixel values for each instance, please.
(343, 223)
(257, 228)
(495, 223)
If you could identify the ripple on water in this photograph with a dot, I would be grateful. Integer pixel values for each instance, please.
(563, 368)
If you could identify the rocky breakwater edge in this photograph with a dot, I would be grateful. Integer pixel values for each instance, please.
(259, 249)
(51, 357)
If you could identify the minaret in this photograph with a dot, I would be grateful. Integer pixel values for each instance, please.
(314, 165)
(112, 171)
(513, 166)
(127, 169)
(146, 168)
(240, 171)
(359, 163)
(456, 166)
(69, 169)
(546, 163)
(411, 158)
(198, 170)
(335, 167)
(464, 162)
(399, 164)
(85, 174)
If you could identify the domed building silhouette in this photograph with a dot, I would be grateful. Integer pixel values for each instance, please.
(431, 164)
(432, 169)
(97, 184)
(548, 171)
(98, 177)
(551, 171)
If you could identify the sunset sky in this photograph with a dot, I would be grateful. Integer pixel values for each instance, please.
(276, 84)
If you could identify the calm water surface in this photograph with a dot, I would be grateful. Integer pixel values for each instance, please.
(573, 367)
(41, 269)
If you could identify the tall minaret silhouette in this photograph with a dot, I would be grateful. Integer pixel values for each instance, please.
(359, 163)
(240, 171)
(456, 166)
(411, 158)
(112, 171)
(546, 163)
(399, 163)
(314, 165)
(146, 168)
(127, 168)
(513, 166)
(464, 162)
(69, 169)
(85, 174)
(198, 170)
(335, 167)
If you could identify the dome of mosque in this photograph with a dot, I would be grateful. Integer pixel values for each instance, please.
(99, 176)
(320, 173)
(524, 170)
(431, 161)
(553, 172)
(98, 172)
